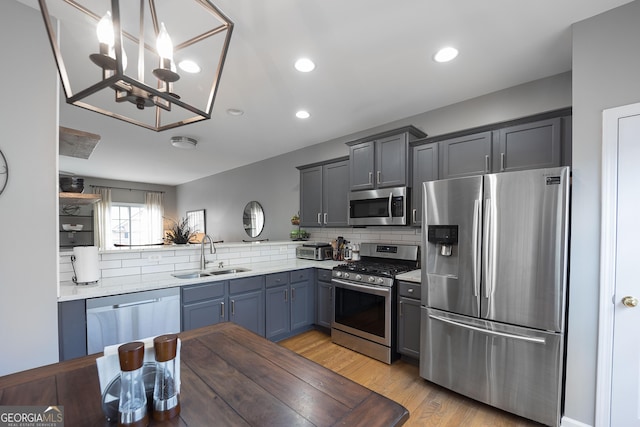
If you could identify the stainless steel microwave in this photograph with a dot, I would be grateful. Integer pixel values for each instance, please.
(385, 206)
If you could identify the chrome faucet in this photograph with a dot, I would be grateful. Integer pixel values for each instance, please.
(212, 250)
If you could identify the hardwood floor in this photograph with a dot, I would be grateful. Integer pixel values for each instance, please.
(428, 404)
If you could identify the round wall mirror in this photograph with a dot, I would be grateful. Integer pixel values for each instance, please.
(253, 219)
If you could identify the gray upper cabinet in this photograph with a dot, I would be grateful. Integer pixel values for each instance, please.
(323, 194)
(361, 159)
(425, 168)
(466, 155)
(382, 160)
(529, 146)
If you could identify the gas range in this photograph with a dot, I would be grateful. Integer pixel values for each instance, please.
(379, 265)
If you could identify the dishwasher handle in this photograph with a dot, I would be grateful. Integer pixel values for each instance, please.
(134, 304)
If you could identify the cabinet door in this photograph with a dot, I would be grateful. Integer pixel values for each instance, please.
(391, 161)
(277, 311)
(335, 193)
(425, 168)
(302, 304)
(465, 156)
(247, 310)
(203, 313)
(324, 304)
(361, 160)
(409, 327)
(529, 146)
(72, 329)
(311, 197)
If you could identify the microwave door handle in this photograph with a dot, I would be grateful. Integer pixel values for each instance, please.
(390, 202)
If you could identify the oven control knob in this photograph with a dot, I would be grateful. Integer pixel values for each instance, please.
(372, 279)
(338, 273)
(380, 280)
(358, 277)
(345, 275)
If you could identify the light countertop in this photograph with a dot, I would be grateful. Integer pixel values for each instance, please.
(144, 282)
(410, 276)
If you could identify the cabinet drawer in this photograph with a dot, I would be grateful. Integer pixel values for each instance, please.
(277, 279)
(300, 275)
(409, 290)
(201, 292)
(245, 284)
(324, 275)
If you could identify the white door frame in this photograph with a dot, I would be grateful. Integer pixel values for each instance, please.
(608, 226)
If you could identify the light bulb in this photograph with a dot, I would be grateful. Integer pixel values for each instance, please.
(163, 44)
(105, 30)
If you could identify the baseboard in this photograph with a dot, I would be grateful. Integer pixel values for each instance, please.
(569, 422)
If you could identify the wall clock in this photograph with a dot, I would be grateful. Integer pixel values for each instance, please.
(4, 172)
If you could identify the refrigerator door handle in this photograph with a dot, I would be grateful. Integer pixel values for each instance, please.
(477, 247)
(537, 340)
(488, 249)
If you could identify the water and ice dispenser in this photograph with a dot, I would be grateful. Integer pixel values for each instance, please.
(444, 237)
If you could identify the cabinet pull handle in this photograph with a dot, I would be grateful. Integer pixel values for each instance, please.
(293, 294)
(413, 215)
(285, 295)
(233, 308)
(325, 218)
(319, 220)
(486, 163)
(222, 309)
(370, 177)
(400, 308)
(378, 177)
(501, 162)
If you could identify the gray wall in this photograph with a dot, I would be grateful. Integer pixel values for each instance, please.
(275, 182)
(606, 73)
(28, 206)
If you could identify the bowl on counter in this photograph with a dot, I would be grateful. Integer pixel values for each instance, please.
(72, 227)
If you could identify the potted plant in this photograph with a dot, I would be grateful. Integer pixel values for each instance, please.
(180, 233)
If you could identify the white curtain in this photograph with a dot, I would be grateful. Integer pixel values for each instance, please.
(102, 218)
(154, 210)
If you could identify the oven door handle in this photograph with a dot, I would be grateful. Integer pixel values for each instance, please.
(376, 290)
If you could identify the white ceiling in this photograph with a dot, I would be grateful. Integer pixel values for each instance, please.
(374, 65)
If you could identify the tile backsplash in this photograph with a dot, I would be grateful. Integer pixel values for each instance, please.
(129, 262)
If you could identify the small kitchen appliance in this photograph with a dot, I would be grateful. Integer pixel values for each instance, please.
(317, 251)
(364, 311)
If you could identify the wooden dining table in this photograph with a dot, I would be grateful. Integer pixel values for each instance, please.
(229, 377)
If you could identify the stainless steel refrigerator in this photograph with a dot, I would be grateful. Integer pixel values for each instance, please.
(494, 288)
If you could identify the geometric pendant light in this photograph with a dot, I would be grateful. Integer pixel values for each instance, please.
(153, 63)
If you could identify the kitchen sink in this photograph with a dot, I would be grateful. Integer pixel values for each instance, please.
(194, 275)
(228, 271)
(198, 274)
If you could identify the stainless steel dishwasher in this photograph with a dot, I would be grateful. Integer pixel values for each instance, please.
(129, 317)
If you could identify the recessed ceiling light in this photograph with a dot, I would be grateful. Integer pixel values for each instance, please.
(189, 66)
(445, 54)
(303, 114)
(234, 112)
(184, 142)
(305, 65)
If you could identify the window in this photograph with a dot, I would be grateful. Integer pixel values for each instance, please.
(128, 224)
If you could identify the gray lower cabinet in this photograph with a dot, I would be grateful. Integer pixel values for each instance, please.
(425, 168)
(204, 304)
(246, 301)
(324, 298)
(323, 194)
(409, 319)
(72, 329)
(290, 303)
